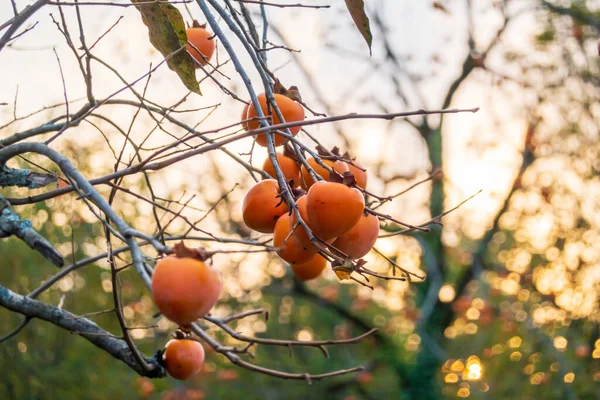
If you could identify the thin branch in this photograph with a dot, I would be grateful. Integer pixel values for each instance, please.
(82, 326)
(11, 224)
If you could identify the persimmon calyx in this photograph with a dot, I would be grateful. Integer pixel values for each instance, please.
(293, 92)
(289, 152)
(180, 250)
(347, 179)
(196, 24)
(182, 334)
(297, 193)
(324, 153)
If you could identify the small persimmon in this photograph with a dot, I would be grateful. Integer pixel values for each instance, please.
(359, 240)
(291, 111)
(244, 113)
(183, 358)
(200, 39)
(145, 387)
(227, 375)
(364, 378)
(360, 175)
(333, 208)
(307, 181)
(291, 251)
(310, 269)
(262, 206)
(185, 289)
(288, 167)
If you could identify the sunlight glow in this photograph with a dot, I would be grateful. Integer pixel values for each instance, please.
(560, 343)
(474, 368)
(515, 356)
(569, 377)
(451, 378)
(305, 335)
(22, 347)
(537, 378)
(447, 293)
(515, 342)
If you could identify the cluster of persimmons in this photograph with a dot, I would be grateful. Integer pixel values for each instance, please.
(332, 210)
(331, 206)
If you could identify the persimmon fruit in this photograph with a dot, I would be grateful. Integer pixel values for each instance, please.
(360, 239)
(291, 111)
(183, 358)
(288, 167)
(200, 38)
(244, 113)
(185, 289)
(359, 174)
(262, 206)
(307, 181)
(333, 208)
(311, 269)
(300, 234)
(291, 251)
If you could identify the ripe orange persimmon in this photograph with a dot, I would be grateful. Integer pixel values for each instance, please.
(359, 175)
(244, 113)
(333, 208)
(288, 167)
(310, 269)
(291, 251)
(183, 358)
(185, 289)
(291, 111)
(307, 181)
(199, 37)
(301, 235)
(359, 240)
(262, 206)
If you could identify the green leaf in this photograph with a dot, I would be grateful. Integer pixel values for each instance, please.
(357, 11)
(167, 34)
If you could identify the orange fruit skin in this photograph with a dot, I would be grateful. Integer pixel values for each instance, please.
(199, 37)
(262, 207)
(183, 358)
(185, 289)
(301, 235)
(291, 111)
(308, 181)
(244, 113)
(333, 209)
(288, 167)
(292, 251)
(359, 240)
(359, 174)
(311, 269)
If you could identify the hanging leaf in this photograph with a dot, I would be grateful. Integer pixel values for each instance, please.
(167, 34)
(357, 11)
(342, 275)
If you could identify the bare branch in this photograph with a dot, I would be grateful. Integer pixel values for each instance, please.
(11, 224)
(116, 347)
